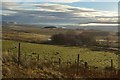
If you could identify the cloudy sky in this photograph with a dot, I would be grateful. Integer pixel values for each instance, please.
(78, 12)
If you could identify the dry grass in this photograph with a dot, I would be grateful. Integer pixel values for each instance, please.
(31, 68)
(29, 37)
(11, 70)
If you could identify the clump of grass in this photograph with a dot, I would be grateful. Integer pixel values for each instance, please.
(9, 57)
(15, 71)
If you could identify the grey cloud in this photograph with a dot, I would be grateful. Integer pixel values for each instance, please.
(106, 16)
(8, 5)
(46, 16)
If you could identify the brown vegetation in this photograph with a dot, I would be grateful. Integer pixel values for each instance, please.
(75, 39)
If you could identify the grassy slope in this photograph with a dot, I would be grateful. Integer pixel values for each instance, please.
(11, 70)
(94, 58)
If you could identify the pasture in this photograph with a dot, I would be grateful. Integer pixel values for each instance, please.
(99, 59)
(51, 61)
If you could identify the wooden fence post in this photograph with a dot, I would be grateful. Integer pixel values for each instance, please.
(78, 64)
(86, 65)
(86, 69)
(111, 71)
(38, 57)
(75, 61)
(111, 63)
(59, 62)
(19, 54)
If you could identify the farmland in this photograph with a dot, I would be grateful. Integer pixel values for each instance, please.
(94, 58)
(47, 56)
(53, 39)
(49, 60)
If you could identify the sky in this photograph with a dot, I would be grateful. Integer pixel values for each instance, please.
(77, 12)
(61, 1)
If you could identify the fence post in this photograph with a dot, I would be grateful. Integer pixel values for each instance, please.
(111, 63)
(111, 71)
(59, 62)
(38, 57)
(78, 64)
(86, 69)
(75, 61)
(19, 54)
(86, 65)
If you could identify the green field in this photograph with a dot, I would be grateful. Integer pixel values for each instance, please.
(99, 59)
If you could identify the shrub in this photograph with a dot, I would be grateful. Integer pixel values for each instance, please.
(77, 39)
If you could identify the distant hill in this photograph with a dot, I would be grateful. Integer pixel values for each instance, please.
(8, 23)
